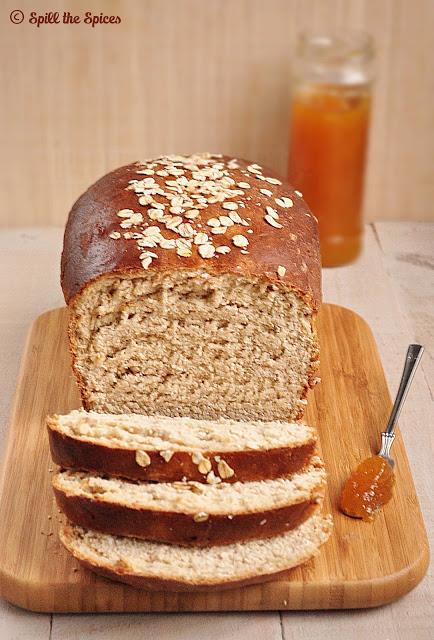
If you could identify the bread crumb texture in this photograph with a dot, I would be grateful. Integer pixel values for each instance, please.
(193, 497)
(187, 343)
(193, 566)
(143, 433)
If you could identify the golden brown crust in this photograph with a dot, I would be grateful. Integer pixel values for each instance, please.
(249, 465)
(181, 528)
(89, 252)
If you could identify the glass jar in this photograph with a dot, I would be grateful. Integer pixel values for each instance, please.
(329, 125)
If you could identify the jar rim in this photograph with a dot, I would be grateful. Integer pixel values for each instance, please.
(336, 46)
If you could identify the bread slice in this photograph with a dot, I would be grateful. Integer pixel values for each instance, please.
(151, 565)
(168, 449)
(190, 513)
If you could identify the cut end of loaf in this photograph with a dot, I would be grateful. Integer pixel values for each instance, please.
(190, 343)
(159, 566)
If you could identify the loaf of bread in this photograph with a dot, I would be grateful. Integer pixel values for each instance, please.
(167, 449)
(190, 513)
(157, 566)
(193, 284)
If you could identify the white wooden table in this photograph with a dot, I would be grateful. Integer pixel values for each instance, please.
(392, 287)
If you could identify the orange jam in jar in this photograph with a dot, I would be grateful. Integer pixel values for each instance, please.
(368, 488)
(329, 126)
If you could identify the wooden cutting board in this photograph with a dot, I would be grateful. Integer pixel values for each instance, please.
(363, 565)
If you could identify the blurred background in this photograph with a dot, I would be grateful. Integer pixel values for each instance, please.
(193, 75)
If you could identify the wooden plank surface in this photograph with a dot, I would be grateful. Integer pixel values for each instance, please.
(188, 75)
(374, 287)
(363, 565)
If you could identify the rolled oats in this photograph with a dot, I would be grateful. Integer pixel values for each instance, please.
(225, 471)
(281, 271)
(204, 466)
(240, 241)
(167, 455)
(143, 459)
(273, 222)
(201, 516)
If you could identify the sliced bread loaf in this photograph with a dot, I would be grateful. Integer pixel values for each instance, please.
(150, 565)
(193, 284)
(168, 449)
(190, 513)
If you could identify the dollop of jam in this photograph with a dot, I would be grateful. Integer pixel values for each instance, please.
(368, 489)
